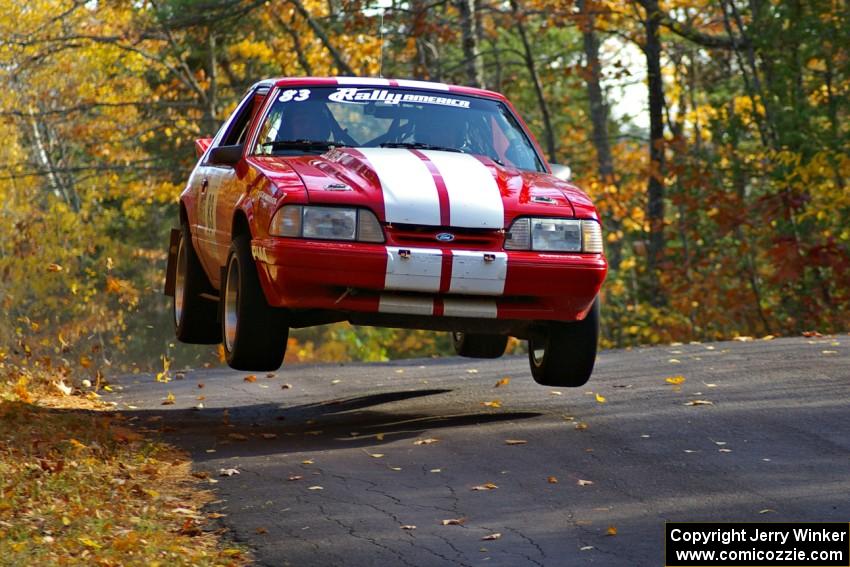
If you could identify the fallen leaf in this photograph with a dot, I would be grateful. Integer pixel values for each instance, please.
(515, 441)
(307, 462)
(724, 450)
(699, 403)
(503, 382)
(295, 477)
(552, 480)
(395, 468)
(768, 338)
(743, 339)
(216, 515)
(581, 426)
(268, 435)
(472, 371)
(674, 361)
(316, 487)
(379, 436)
(203, 475)
(89, 543)
(408, 527)
(454, 522)
(237, 436)
(261, 531)
(555, 393)
(811, 334)
(675, 380)
(169, 399)
(767, 511)
(228, 472)
(586, 548)
(54, 268)
(491, 537)
(600, 398)
(611, 531)
(271, 375)
(487, 486)
(63, 387)
(285, 386)
(337, 381)
(250, 378)
(436, 470)
(428, 441)
(829, 352)
(492, 404)
(376, 455)
(582, 482)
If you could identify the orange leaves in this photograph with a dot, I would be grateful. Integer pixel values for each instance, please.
(484, 487)
(503, 382)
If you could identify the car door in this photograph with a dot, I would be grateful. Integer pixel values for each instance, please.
(220, 186)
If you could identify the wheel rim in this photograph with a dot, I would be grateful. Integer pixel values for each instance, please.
(231, 300)
(538, 352)
(180, 282)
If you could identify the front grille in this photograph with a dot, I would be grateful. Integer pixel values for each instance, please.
(417, 235)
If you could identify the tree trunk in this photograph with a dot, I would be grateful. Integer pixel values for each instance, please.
(655, 186)
(599, 120)
(528, 56)
(471, 49)
(320, 33)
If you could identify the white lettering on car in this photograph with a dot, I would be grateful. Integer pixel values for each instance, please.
(294, 95)
(354, 95)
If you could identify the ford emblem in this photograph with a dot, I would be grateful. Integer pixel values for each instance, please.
(445, 237)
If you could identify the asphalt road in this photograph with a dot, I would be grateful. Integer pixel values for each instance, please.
(773, 445)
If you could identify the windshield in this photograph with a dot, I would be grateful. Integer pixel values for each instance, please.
(313, 119)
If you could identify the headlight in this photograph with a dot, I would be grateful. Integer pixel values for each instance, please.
(326, 223)
(554, 235)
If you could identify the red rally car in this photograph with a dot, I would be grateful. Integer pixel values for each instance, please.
(385, 202)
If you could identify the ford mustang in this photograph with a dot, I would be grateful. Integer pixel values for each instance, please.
(385, 202)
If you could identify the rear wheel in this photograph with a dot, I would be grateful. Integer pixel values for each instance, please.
(475, 345)
(194, 315)
(564, 355)
(254, 333)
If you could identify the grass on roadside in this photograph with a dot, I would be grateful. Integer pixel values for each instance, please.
(78, 486)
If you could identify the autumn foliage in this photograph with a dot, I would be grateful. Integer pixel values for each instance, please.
(727, 213)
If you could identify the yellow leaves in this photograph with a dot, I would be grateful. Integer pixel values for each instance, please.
(428, 441)
(54, 268)
(600, 398)
(164, 376)
(85, 361)
(611, 531)
(581, 426)
(677, 380)
(89, 543)
(21, 390)
(492, 404)
(169, 399)
(503, 382)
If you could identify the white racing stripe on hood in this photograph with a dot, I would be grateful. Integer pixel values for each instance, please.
(474, 197)
(410, 195)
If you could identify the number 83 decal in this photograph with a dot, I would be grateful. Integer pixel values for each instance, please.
(295, 95)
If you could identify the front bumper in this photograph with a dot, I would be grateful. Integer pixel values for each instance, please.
(437, 281)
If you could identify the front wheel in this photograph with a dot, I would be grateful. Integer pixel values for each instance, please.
(254, 332)
(474, 345)
(564, 355)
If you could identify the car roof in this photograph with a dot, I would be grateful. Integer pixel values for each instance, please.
(376, 82)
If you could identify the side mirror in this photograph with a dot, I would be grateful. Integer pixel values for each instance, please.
(225, 155)
(562, 172)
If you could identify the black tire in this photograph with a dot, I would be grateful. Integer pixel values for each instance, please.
(565, 355)
(195, 317)
(473, 345)
(254, 333)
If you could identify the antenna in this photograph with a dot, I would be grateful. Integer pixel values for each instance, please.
(381, 68)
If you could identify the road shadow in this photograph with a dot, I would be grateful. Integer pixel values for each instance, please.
(270, 428)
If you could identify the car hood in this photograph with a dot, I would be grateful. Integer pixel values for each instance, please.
(430, 188)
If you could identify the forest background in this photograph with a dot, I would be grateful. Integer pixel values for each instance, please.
(712, 135)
